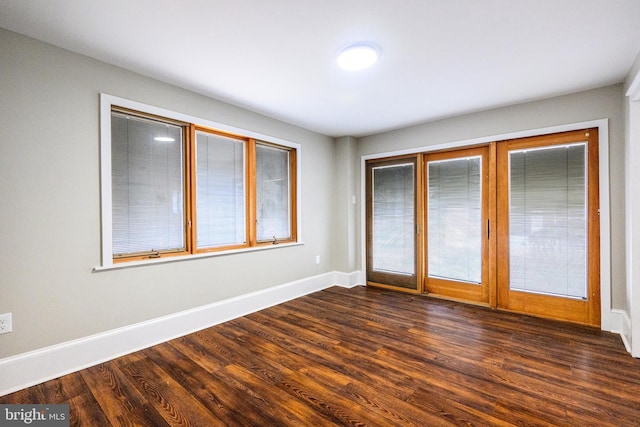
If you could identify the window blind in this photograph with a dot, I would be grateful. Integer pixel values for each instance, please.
(548, 220)
(147, 185)
(455, 219)
(394, 219)
(220, 191)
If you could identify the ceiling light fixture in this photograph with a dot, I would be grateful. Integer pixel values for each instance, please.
(357, 57)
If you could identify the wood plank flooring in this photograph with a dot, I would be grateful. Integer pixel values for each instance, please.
(362, 356)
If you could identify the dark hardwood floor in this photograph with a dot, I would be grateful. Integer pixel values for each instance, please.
(362, 356)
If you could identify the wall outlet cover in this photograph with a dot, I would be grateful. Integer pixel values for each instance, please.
(5, 323)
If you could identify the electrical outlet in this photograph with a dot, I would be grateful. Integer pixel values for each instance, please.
(5, 323)
(317, 259)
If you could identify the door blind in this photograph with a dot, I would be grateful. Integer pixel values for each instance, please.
(548, 220)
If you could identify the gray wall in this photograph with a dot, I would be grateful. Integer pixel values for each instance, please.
(346, 211)
(594, 104)
(50, 209)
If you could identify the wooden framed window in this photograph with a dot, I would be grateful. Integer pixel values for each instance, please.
(148, 187)
(219, 191)
(275, 186)
(173, 188)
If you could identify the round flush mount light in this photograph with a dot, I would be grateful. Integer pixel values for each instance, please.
(357, 57)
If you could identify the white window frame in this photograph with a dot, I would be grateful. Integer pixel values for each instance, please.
(107, 102)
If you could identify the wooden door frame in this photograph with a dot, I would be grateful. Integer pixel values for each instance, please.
(579, 311)
(611, 320)
(476, 294)
(416, 159)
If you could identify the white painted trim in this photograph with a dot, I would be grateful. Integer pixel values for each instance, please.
(348, 280)
(634, 88)
(605, 218)
(131, 264)
(492, 138)
(106, 201)
(632, 222)
(621, 324)
(110, 100)
(28, 369)
(606, 308)
(106, 103)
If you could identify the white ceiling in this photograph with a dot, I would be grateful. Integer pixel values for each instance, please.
(439, 58)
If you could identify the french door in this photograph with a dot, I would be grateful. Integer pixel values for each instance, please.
(512, 225)
(548, 226)
(392, 206)
(457, 224)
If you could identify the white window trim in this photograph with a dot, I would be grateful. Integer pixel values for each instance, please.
(106, 104)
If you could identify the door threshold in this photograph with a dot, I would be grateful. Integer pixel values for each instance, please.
(461, 300)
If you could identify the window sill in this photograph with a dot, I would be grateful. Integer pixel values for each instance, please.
(131, 264)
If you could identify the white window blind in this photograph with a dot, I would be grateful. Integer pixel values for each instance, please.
(147, 185)
(273, 193)
(548, 220)
(455, 227)
(220, 191)
(394, 219)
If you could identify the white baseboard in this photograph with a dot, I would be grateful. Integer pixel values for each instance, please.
(28, 369)
(348, 280)
(622, 326)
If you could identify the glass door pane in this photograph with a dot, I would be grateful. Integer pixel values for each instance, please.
(549, 229)
(457, 217)
(393, 219)
(391, 223)
(454, 219)
(548, 220)
(273, 193)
